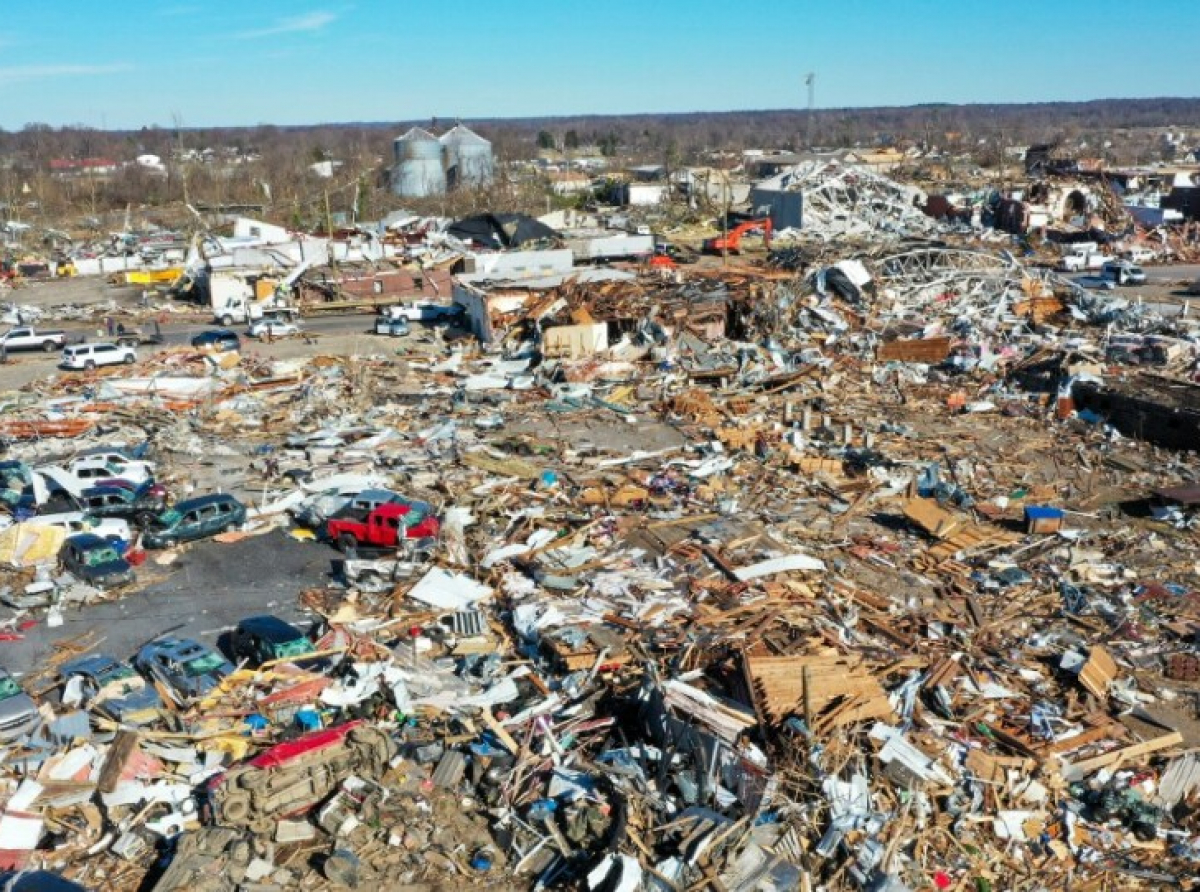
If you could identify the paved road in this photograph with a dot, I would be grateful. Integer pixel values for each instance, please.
(338, 334)
(181, 333)
(208, 590)
(1173, 273)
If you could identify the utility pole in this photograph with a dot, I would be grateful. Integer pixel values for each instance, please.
(329, 234)
(810, 81)
(725, 221)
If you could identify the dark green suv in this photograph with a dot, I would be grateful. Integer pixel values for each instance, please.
(194, 519)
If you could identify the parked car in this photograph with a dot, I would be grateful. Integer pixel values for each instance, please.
(260, 639)
(111, 530)
(194, 519)
(219, 339)
(317, 508)
(186, 669)
(18, 713)
(56, 499)
(90, 356)
(1123, 273)
(1138, 254)
(113, 689)
(16, 478)
(93, 560)
(130, 453)
(139, 504)
(392, 326)
(425, 311)
(24, 338)
(108, 466)
(273, 328)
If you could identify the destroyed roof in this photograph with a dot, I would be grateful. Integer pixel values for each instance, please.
(501, 231)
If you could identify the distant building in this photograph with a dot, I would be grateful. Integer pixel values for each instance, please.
(151, 163)
(324, 169)
(569, 182)
(642, 194)
(83, 167)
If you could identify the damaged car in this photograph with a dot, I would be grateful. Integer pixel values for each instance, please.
(186, 669)
(18, 713)
(112, 688)
(94, 560)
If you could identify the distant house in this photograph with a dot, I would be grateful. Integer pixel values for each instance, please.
(648, 173)
(569, 182)
(151, 163)
(83, 167)
(324, 169)
(879, 160)
(642, 194)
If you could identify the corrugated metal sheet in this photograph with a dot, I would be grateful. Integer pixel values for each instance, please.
(468, 623)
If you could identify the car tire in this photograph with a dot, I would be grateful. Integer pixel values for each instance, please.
(48, 346)
(348, 544)
(235, 808)
(90, 365)
(227, 320)
(129, 359)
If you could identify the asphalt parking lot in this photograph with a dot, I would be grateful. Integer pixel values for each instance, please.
(209, 588)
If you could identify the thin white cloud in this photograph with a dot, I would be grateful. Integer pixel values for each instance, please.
(298, 24)
(13, 74)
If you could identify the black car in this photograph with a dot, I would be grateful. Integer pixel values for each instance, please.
(221, 339)
(94, 560)
(137, 504)
(260, 639)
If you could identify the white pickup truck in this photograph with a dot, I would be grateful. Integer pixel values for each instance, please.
(32, 339)
(1082, 256)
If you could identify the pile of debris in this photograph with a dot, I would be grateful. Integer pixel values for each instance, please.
(806, 582)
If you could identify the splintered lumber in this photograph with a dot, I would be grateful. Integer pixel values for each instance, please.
(1098, 672)
(118, 756)
(932, 517)
(830, 691)
(31, 430)
(927, 350)
(1077, 770)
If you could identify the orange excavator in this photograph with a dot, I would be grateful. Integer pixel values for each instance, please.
(731, 241)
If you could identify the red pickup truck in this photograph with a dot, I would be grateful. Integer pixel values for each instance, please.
(387, 526)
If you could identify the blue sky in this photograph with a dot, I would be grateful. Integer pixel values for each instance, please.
(211, 62)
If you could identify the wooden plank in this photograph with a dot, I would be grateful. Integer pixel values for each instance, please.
(116, 759)
(928, 350)
(1098, 672)
(1077, 770)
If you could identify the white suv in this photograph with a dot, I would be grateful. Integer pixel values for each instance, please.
(88, 356)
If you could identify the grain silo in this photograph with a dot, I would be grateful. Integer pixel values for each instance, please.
(420, 169)
(469, 159)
